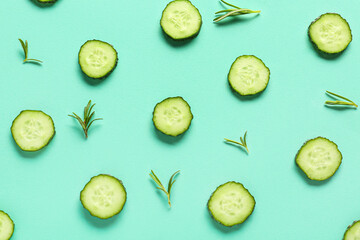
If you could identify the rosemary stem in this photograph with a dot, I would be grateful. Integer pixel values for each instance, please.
(341, 103)
(247, 149)
(229, 140)
(168, 196)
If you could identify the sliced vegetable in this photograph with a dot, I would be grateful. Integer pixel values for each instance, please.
(181, 20)
(330, 33)
(103, 196)
(172, 116)
(46, 1)
(231, 204)
(319, 158)
(353, 231)
(32, 130)
(6, 226)
(97, 59)
(248, 75)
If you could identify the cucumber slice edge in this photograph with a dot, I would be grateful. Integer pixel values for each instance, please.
(185, 38)
(348, 229)
(309, 141)
(255, 93)
(11, 222)
(89, 182)
(103, 76)
(46, 1)
(47, 143)
(322, 52)
(167, 99)
(219, 187)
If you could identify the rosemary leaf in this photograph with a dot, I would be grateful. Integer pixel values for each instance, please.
(233, 12)
(229, 4)
(86, 122)
(26, 52)
(161, 187)
(347, 101)
(241, 143)
(171, 182)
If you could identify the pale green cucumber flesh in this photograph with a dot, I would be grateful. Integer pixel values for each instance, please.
(172, 116)
(97, 59)
(330, 33)
(6, 226)
(32, 130)
(353, 231)
(103, 196)
(319, 158)
(181, 20)
(248, 75)
(231, 204)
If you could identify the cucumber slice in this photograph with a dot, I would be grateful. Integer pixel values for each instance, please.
(330, 33)
(248, 75)
(103, 196)
(97, 59)
(6, 226)
(353, 231)
(231, 204)
(32, 130)
(181, 20)
(172, 116)
(46, 1)
(319, 158)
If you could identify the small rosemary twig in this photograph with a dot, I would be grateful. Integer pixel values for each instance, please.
(233, 12)
(25, 47)
(86, 123)
(241, 143)
(161, 187)
(340, 103)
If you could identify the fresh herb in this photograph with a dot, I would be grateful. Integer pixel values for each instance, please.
(161, 187)
(26, 51)
(241, 143)
(86, 123)
(340, 103)
(233, 12)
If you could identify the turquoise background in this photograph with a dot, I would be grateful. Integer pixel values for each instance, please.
(40, 190)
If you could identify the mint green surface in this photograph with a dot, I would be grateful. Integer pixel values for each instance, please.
(40, 191)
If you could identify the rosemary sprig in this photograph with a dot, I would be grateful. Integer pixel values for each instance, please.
(25, 47)
(338, 102)
(241, 143)
(161, 187)
(86, 123)
(233, 12)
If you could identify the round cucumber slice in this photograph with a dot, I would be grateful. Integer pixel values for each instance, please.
(319, 158)
(6, 226)
(231, 204)
(32, 130)
(248, 75)
(103, 196)
(172, 116)
(97, 59)
(181, 20)
(353, 231)
(330, 33)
